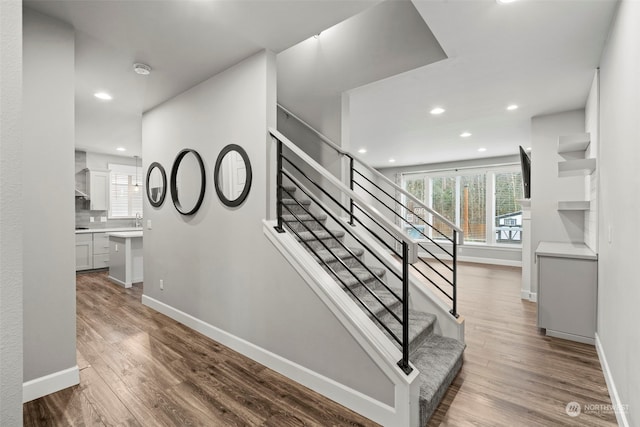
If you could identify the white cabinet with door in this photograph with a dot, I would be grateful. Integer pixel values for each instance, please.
(84, 252)
(98, 186)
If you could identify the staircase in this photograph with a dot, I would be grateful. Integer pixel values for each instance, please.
(437, 358)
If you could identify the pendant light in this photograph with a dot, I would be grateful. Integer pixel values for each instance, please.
(136, 188)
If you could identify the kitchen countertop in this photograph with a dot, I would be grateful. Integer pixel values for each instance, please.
(126, 234)
(107, 230)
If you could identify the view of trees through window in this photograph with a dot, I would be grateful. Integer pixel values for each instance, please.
(463, 199)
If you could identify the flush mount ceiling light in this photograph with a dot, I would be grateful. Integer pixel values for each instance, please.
(437, 110)
(142, 69)
(103, 95)
(482, 149)
(121, 149)
(362, 150)
(512, 107)
(465, 134)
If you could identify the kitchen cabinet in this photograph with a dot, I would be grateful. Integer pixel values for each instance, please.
(84, 252)
(126, 267)
(100, 250)
(98, 186)
(567, 290)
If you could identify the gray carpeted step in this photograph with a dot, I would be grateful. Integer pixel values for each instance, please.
(289, 191)
(293, 205)
(348, 279)
(314, 222)
(349, 258)
(384, 296)
(327, 238)
(420, 328)
(439, 360)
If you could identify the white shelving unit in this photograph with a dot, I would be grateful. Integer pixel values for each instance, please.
(571, 143)
(577, 205)
(576, 167)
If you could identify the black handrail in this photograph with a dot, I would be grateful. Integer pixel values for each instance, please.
(330, 257)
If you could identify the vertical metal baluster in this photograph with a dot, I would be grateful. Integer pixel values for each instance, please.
(279, 189)
(351, 187)
(404, 363)
(454, 310)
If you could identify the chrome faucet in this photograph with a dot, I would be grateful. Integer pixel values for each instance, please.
(138, 223)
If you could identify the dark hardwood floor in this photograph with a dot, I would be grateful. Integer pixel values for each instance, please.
(140, 368)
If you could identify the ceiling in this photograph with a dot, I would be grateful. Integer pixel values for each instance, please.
(538, 54)
(184, 41)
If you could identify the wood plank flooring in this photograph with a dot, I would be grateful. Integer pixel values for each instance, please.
(140, 368)
(513, 375)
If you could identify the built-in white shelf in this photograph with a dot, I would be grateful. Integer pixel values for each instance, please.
(570, 143)
(576, 167)
(578, 205)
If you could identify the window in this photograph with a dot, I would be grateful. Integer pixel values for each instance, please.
(482, 202)
(125, 198)
(508, 213)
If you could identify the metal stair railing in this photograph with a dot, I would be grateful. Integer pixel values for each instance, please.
(291, 165)
(439, 266)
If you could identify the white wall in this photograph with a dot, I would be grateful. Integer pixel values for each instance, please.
(217, 265)
(547, 188)
(48, 182)
(11, 213)
(618, 290)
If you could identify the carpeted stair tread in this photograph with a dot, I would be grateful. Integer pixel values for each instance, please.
(420, 328)
(321, 235)
(384, 295)
(289, 189)
(304, 217)
(349, 280)
(439, 360)
(342, 253)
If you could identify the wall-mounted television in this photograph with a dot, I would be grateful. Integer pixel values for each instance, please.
(525, 163)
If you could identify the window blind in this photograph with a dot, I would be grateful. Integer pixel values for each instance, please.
(124, 200)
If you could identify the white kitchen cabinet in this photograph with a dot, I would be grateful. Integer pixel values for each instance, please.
(98, 186)
(100, 250)
(84, 252)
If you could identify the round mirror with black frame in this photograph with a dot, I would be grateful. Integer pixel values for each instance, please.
(156, 184)
(188, 182)
(232, 175)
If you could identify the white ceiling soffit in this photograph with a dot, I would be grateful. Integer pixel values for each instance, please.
(384, 40)
(540, 55)
(184, 41)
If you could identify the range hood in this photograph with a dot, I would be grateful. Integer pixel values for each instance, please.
(81, 194)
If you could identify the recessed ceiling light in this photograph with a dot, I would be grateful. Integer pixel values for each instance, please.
(512, 107)
(392, 160)
(103, 95)
(528, 148)
(482, 149)
(437, 110)
(465, 134)
(121, 149)
(505, 1)
(143, 69)
(362, 150)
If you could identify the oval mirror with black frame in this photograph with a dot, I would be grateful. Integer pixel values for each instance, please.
(232, 175)
(156, 184)
(188, 182)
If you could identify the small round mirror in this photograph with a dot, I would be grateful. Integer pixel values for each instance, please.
(188, 182)
(232, 175)
(156, 184)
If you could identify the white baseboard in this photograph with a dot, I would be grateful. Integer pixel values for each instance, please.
(353, 399)
(530, 296)
(621, 416)
(493, 261)
(51, 383)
